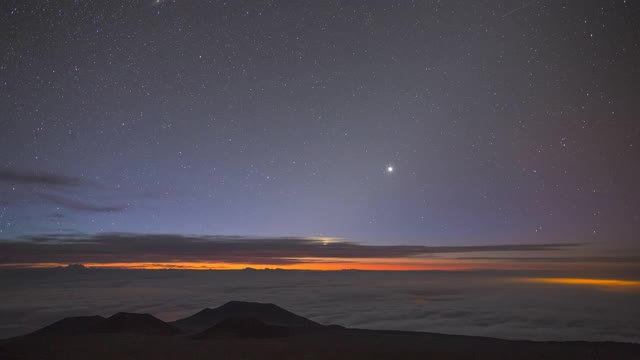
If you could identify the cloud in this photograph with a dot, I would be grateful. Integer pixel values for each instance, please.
(480, 303)
(73, 204)
(159, 248)
(561, 259)
(57, 215)
(28, 188)
(14, 176)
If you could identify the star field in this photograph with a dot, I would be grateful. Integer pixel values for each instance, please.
(413, 122)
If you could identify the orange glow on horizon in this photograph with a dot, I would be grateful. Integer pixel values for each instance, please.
(616, 283)
(313, 264)
(335, 264)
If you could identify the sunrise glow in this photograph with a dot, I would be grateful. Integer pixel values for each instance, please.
(614, 283)
(317, 266)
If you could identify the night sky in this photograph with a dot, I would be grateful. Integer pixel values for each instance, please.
(381, 122)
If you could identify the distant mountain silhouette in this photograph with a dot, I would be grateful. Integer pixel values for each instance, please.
(72, 326)
(118, 323)
(135, 323)
(244, 328)
(267, 313)
(248, 330)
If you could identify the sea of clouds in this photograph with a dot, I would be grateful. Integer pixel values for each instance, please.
(471, 303)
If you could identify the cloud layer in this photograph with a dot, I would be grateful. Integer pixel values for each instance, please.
(116, 248)
(24, 187)
(473, 303)
(74, 204)
(15, 177)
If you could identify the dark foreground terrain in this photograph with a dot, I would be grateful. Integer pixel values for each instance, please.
(241, 330)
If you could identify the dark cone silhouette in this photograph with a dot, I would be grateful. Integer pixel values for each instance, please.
(72, 326)
(244, 328)
(267, 313)
(135, 323)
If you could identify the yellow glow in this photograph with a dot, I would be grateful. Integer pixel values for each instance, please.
(339, 263)
(586, 281)
(320, 266)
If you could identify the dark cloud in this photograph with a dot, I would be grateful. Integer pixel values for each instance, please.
(14, 176)
(567, 259)
(57, 215)
(29, 188)
(120, 247)
(74, 204)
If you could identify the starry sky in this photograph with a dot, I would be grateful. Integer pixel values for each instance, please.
(428, 123)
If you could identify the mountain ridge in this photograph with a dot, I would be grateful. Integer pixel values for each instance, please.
(124, 335)
(121, 322)
(268, 313)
